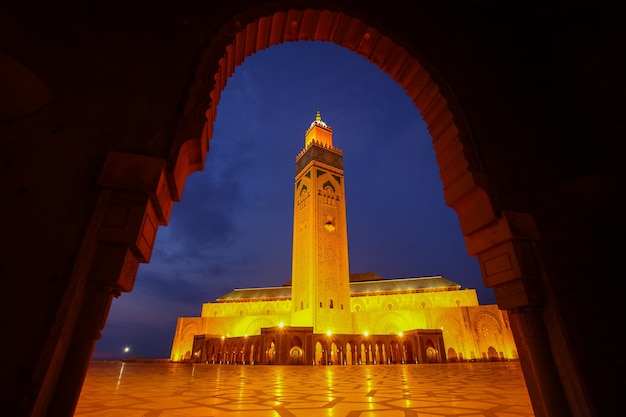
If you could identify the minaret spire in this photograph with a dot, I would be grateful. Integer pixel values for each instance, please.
(319, 133)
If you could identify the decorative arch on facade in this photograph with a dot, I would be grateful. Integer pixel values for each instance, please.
(456, 299)
(255, 327)
(485, 318)
(191, 329)
(217, 328)
(488, 333)
(453, 334)
(389, 322)
(452, 355)
(329, 187)
(422, 301)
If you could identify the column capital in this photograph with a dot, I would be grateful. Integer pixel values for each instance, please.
(133, 173)
(508, 258)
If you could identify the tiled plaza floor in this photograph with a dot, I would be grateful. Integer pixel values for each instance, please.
(178, 390)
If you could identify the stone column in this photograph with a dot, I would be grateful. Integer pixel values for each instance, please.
(93, 315)
(540, 372)
(135, 199)
(510, 263)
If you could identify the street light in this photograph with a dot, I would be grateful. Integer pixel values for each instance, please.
(125, 351)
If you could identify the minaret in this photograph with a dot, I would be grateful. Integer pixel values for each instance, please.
(320, 270)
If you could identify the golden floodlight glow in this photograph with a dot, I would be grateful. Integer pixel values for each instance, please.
(281, 324)
(328, 332)
(366, 333)
(400, 334)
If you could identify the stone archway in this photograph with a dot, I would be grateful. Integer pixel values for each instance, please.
(464, 185)
(498, 238)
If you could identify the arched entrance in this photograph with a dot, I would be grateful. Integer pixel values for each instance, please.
(503, 239)
(466, 187)
(296, 352)
(271, 353)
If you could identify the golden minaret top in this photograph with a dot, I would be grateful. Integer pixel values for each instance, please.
(319, 133)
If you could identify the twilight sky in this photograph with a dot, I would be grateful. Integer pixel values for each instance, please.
(233, 226)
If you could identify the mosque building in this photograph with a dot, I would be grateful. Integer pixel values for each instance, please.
(325, 314)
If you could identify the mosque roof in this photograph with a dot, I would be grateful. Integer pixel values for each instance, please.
(358, 287)
(257, 294)
(402, 285)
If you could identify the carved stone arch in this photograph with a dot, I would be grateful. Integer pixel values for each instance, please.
(488, 330)
(255, 327)
(268, 309)
(502, 240)
(191, 329)
(389, 323)
(452, 331)
(504, 258)
(485, 318)
(220, 329)
(456, 299)
(422, 301)
(395, 301)
(328, 185)
(449, 325)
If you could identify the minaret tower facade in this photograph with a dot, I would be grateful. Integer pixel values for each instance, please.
(320, 269)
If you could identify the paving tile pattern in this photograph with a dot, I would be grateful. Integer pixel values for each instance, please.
(181, 390)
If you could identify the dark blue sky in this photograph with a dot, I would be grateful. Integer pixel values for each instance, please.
(233, 226)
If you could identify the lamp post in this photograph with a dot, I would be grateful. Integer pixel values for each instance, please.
(329, 359)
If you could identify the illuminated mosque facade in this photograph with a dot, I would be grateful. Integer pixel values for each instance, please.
(325, 315)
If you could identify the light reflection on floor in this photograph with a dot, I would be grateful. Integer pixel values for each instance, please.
(177, 390)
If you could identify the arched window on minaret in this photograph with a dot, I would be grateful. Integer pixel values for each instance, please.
(302, 197)
(328, 194)
(331, 304)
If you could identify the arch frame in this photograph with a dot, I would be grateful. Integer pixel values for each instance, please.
(505, 241)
